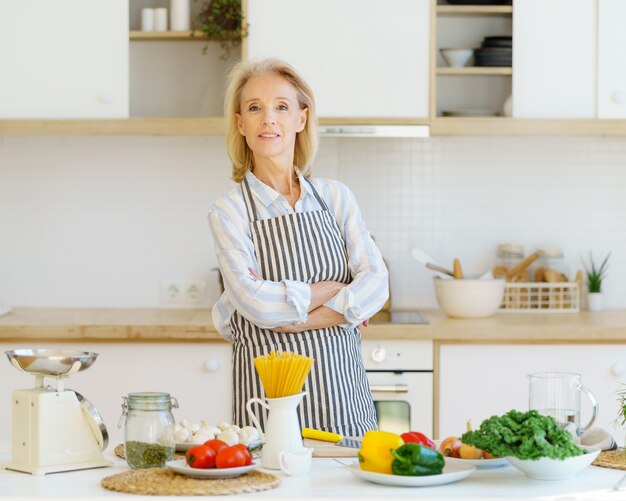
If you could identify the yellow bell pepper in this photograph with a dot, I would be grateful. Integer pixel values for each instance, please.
(375, 452)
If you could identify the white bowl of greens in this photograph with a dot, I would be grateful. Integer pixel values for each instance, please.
(532, 443)
(555, 469)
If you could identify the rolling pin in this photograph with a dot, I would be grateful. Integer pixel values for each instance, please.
(458, 272)
(522, 265)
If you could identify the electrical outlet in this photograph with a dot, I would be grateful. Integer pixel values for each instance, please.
(171, 291)
(193, 292)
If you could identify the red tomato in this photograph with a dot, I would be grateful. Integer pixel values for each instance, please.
(200, 456)
(230, 457)
(246, 452)
(418, 438)
(216, 445)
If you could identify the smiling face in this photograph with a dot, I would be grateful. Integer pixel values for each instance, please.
(270, 117)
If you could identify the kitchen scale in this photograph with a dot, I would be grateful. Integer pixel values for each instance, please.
(54, 429)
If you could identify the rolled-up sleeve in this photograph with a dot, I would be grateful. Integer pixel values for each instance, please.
(369, 290)
(265, 303)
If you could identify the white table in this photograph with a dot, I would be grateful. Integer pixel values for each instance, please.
(330, 479)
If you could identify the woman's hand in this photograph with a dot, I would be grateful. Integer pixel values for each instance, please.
(319, 318)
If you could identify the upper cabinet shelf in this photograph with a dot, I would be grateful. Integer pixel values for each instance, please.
(475, 70)
(168, 35)
(478, 10)
(187, 36)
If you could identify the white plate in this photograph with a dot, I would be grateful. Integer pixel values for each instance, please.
(180, 466)
(479, 463)
(451, 473)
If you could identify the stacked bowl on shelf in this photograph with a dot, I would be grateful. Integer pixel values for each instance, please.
(495, 51)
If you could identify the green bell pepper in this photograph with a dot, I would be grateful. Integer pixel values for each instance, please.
(416, 460)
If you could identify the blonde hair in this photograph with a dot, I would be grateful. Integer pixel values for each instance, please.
(238, 150)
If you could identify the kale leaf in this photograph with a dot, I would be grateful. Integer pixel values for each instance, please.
(525, 435)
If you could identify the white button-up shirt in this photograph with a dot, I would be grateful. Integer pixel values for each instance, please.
(269, 304)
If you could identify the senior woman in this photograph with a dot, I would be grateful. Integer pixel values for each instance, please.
(301, 272)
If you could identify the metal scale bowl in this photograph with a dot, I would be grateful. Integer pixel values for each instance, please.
(54, 429)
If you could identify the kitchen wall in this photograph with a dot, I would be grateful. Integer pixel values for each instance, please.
(102, 221)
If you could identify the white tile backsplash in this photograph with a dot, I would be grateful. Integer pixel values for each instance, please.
(100, 221)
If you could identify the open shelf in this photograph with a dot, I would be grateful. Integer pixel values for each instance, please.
(174, 35)
(478, 10)
(475, 70)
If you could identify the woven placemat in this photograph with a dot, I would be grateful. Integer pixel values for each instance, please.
(119, 452)
(612, 459)
(162, 481)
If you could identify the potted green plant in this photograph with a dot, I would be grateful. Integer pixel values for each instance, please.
(595, 276)
(222, 21)
(621, 399)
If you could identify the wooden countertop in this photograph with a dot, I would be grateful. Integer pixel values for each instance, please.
(186, 325)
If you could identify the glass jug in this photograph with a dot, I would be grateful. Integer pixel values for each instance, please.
(557, 394)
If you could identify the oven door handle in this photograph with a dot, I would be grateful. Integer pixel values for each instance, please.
(389, 388)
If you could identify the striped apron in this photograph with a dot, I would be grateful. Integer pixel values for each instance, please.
(306, 247)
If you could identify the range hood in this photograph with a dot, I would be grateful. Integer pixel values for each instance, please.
(374, 130)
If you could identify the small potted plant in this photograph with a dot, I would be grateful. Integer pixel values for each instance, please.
(595, 276)
(222, 21)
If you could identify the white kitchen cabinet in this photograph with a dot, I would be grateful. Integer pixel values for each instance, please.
(479, 381)
(199, 375)
(572, 69)
(64, 59)
(611, 62)
(363, 58)
(554, 58)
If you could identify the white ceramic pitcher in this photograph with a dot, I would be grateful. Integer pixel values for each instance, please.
(282, 430)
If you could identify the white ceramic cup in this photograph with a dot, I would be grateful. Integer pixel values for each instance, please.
(296, 462)
(147, 19)
(160, 19)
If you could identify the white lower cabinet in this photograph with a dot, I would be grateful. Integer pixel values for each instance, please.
(479, 381)
(199, 375)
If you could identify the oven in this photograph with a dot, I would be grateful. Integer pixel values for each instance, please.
(400, 374)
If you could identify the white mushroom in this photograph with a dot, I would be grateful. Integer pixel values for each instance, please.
(228, 436)
(199, 438)
(181, 435)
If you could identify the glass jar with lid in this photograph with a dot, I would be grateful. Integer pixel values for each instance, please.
(508, 255)
(551, 266)
(148, 429)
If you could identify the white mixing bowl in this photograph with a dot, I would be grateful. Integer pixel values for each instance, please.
(469, 298)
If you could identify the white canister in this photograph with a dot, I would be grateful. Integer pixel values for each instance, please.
(147, 19)
(179, 15)
(160, 19)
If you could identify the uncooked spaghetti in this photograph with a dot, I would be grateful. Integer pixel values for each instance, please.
(282, 374)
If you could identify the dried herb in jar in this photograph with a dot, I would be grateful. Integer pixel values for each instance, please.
(145, 455)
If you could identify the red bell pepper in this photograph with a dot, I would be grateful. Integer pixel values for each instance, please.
(418, 438)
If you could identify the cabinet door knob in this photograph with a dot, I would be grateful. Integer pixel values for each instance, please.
(619, 96)
(379, 354)
(212, 365)
(618, 369)
(105, 97)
